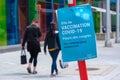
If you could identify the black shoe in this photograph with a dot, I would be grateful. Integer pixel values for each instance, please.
(34, 72)
(29, 70)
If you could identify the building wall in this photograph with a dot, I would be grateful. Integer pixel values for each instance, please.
(9, 33)
(23, 17)
(20, 14)
(96, 15)
(12, 22)
(113, 17)
(3, 32)
(47, 14)
(12, 26)
(32, 10)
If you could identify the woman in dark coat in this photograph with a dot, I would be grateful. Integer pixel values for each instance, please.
(52, 41)
(31, 37)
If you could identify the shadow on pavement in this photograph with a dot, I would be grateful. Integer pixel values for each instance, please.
(31, 76)
(15, 74)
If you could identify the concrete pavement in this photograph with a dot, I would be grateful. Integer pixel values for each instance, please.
(105, 67)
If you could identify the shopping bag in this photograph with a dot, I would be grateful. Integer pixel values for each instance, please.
(23, 57)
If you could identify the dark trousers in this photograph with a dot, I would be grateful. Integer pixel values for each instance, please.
(54, 55)
(33, 56)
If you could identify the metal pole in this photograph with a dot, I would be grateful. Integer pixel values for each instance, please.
(104, 16)
(119, 21)
(101, 26)
(117, 36)
(108, 25)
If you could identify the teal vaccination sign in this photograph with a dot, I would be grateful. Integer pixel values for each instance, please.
(76, 31)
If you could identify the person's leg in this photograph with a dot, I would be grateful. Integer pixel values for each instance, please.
(35, 63)
(52, 66)
(54, 55)
(55, 59)
(30, 62)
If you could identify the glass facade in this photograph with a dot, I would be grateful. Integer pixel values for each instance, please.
(47, 14)
(23, 16)
(32, 10)
(3, 33)
(113, 17)
(12, 22)
(96, 15)
(15, 15)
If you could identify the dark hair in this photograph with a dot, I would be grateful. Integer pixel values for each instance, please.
(52, 28)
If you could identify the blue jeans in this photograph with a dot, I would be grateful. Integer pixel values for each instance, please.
(54, 55)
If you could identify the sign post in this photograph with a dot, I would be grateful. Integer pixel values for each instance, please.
(81, 64)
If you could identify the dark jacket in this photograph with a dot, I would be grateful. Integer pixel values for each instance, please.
(31, 36)
(50, 41)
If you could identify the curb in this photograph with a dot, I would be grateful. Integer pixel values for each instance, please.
(11, 48)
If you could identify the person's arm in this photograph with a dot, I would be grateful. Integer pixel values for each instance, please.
(58, 41)
(24, 39)
(45, 43)
(39, 32)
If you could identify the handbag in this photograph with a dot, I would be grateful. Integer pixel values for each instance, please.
(23, 57)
